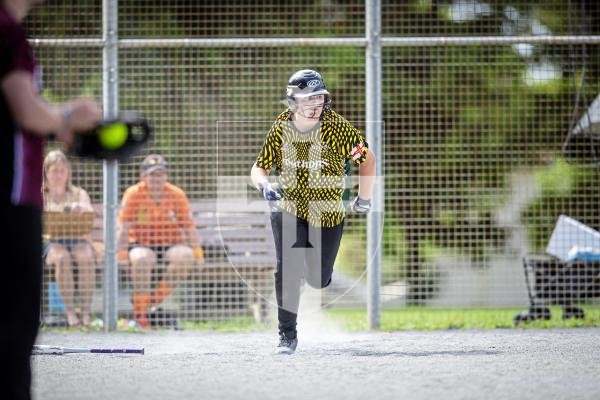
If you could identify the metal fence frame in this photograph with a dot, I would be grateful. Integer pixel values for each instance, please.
(372, 42)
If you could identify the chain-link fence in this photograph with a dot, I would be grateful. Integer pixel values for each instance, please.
(472, 150)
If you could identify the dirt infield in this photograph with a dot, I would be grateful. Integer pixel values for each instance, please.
(498, 364)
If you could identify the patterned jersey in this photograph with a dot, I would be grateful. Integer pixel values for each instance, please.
(311, 165)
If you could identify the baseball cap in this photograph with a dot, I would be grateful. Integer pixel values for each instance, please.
(153, 162)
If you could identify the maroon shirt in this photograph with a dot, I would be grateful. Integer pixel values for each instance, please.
(21, 153)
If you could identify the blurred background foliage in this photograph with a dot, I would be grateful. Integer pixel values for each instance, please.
(459, 120)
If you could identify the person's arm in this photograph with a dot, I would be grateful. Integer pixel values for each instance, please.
(367, 172)
(193, 239)
(259, 175)
(266, 158)
(32, 113)
(187, 225)
(123, 241)
(123, 228)
(355, 148)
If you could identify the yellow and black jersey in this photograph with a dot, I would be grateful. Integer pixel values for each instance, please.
(311, 165)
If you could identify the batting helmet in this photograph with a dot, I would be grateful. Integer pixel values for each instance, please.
(306, 83)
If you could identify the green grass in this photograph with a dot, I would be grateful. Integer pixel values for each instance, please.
(421, 318)
(417, 318)
(409, 318)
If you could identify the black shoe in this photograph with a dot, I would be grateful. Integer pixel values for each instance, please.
(286, 345)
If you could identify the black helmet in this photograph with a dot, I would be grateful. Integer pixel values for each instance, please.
(305, 83)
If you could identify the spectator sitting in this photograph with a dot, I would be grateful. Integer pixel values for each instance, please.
(155, 226)
(64, 253)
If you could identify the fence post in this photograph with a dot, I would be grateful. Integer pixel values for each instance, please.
(110, 97)
(374, 133)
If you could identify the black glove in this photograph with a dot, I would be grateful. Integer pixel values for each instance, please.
(361, 206)
(116, 139)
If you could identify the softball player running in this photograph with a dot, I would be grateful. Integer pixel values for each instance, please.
(308, 146)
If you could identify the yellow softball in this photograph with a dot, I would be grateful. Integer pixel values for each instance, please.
(113, 136)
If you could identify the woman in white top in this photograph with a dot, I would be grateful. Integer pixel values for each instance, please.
(64, 254)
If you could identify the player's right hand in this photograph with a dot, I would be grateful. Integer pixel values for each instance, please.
(84, 114)
(269, 191)
(80, 115)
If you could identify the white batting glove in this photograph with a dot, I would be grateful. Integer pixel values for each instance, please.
(361, 206)
(269, 191)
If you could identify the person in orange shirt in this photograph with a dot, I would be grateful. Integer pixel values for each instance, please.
(156, 226)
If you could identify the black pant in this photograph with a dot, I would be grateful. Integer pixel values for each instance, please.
(303, 251)
(21, 250)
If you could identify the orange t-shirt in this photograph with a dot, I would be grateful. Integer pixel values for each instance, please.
(156, 223)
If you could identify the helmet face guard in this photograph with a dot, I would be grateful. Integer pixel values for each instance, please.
(296, 108)
(304, 84)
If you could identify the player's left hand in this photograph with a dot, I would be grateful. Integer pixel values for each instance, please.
(361, 206)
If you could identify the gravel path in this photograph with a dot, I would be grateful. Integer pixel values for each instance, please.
(498, 364)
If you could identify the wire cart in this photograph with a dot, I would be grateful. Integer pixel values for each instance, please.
(553, 282)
